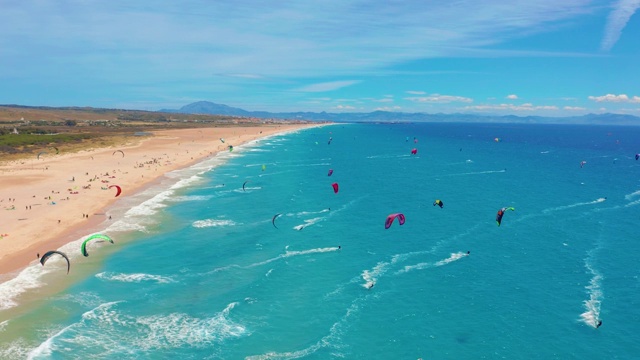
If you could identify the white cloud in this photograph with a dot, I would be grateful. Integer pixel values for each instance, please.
(344, 107)
(327, 86)
(415, 92)
(622, 98)
(574, 108)
(618, 18)
(437, 98)
(388, 108)
(512, 97)
(511, 107)
(384, 100)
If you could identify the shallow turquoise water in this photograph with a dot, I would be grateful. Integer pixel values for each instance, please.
(201, 272)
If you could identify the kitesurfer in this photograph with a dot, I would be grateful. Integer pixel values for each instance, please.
(371, 285)
(598, 324)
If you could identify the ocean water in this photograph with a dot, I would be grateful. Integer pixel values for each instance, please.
(252, 255)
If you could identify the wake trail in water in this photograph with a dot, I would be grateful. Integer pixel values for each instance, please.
(287, 254)
(591, 315)
(476, 173)
(453, 257)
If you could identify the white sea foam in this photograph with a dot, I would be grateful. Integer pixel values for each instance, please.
(18, 349)
(305, 213)
(454, 257)
(187, 198)
(308, 222)
(102, 329)
(633, 198)
(29, 278)
(133, 278)
(371, 276)
(86, 299)
(591, 316)
(212, 223)
(333, 340)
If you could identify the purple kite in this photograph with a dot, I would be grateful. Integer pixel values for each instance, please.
(335, 187)
(330, 172)
(390, 218)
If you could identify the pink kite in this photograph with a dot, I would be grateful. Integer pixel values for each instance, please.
(118, 188)
(390, 218)
(335, 187)
(414, 151)
(330, 172)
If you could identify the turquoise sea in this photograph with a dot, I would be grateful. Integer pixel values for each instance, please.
(201, 270)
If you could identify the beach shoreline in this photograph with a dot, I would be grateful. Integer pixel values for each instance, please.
(52, 201)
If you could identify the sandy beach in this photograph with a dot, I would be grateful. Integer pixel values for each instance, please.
(45, 201)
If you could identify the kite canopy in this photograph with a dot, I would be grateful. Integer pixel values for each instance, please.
(390, 218)
(243, 184)
(48, 254)
(335, 187)
(496, 139)
(83, 247)
(637, 156)
(264, 167)
(273, 221)
(414, 151)
(40, 153)
(501, 213)
(117, 188)
(439, 203)
(120, 151)
(331, 171)
(582, 163)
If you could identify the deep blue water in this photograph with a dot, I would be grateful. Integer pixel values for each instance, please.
(199, 271)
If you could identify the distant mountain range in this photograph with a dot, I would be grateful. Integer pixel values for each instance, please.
(209, 108)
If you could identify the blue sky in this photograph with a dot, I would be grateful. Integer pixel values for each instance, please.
(543, 57)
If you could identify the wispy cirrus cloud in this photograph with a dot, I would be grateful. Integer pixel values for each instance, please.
(622, 98)
(437, 98)
(616, 22)
(327, 86)
(244, 76)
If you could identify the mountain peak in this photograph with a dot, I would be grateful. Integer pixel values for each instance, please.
(207, 107)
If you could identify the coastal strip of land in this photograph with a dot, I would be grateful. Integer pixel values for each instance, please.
(45, 200)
